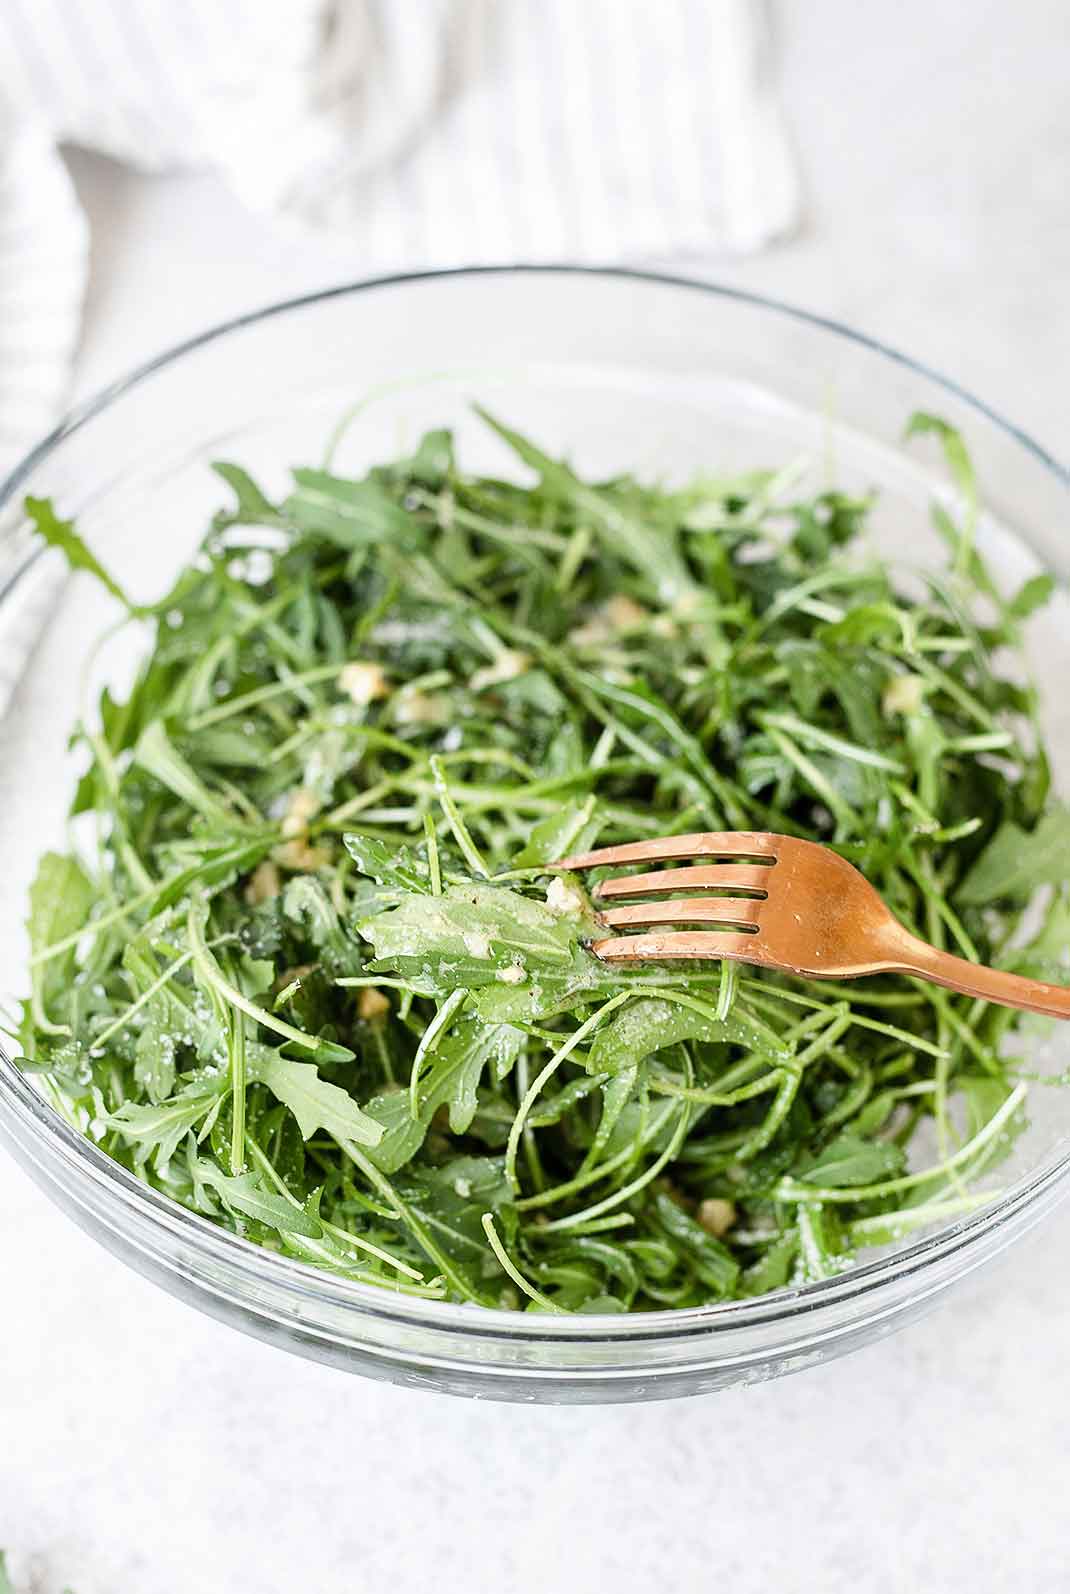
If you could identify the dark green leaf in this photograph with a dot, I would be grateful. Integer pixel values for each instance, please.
(850, 1159)
(574, 829)
(1016, 862)
(268, 840)
(157, 1130)
(396, 866)
(315, 1103)
(253, 508)
(247, 1194)
(352, 514)
(1031, 596)
(62, 535)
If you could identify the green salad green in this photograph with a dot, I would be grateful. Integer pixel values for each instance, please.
(307, 969)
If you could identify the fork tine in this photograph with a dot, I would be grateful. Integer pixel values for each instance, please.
(729, 876)
(682, 944)
(689, 910)
(699, 844)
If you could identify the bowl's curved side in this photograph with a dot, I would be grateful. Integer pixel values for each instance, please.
(497, 1355)
(619, 368)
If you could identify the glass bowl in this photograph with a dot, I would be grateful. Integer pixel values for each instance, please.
(623, 371)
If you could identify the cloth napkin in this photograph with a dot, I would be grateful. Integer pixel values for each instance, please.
(434, 132)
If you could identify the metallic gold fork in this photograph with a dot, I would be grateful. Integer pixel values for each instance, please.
(790, 905)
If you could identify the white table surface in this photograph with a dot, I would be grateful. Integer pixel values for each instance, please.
(147, 1450)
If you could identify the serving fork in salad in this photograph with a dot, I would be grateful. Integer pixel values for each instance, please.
(780, 902)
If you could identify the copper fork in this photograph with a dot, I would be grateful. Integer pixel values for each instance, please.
(786, 904)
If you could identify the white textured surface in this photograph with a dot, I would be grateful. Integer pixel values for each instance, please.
(592, 129)
(44, 253)
(144, 1450)
(429, 134)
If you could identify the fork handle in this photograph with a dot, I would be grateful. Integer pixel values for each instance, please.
(912, 956)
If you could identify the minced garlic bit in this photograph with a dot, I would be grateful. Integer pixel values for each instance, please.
(300, 855)
(506, 667)
(478, 945)
(904, 694)
(513, 975)
(295, 851)
(561, 897)
(623, 613)
(263, 884)
(619, 613)
(363, 682)
(716, 1216)
(591, 633)
(420, 708)
(301, 806)
(371, 1003)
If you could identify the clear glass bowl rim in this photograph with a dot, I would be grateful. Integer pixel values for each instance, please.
(218, 1249)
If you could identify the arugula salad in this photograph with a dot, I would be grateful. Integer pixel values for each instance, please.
(306, 967)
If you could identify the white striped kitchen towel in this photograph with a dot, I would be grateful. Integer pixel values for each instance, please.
(435, 132)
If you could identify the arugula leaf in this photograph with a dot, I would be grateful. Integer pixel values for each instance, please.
(314, 1102)
(62, 535)
(402, 1133)
(984, 1097)
(772, 1270)
(1032, 595)
(157, 1130)
(324, 987)
(652, 551)
(61, 898)
(473, 932)
(574, 829)
(955, 451)
(451, 1081)
(169, 1021)
(850, 1159)
(224, 992)
(397, 867)
(253, 508)
(246, 1194)
(215, 863)
(652, 1024)
(352, 514)
(1016, 862)
(712, 1261)
(451, 1200)
(156, 754)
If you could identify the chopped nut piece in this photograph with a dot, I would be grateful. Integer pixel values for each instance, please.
(420, 708)
(301, 806)
(561, 897)
(688, 603)
(507, 666)
(263, 884)
(617, 614)
(371, 1003)
(904, 694)
(513, 975)
(716, 1216)
(478, 945)
(363, 682)
(591, 633)
(623, 612)
(297, 854)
